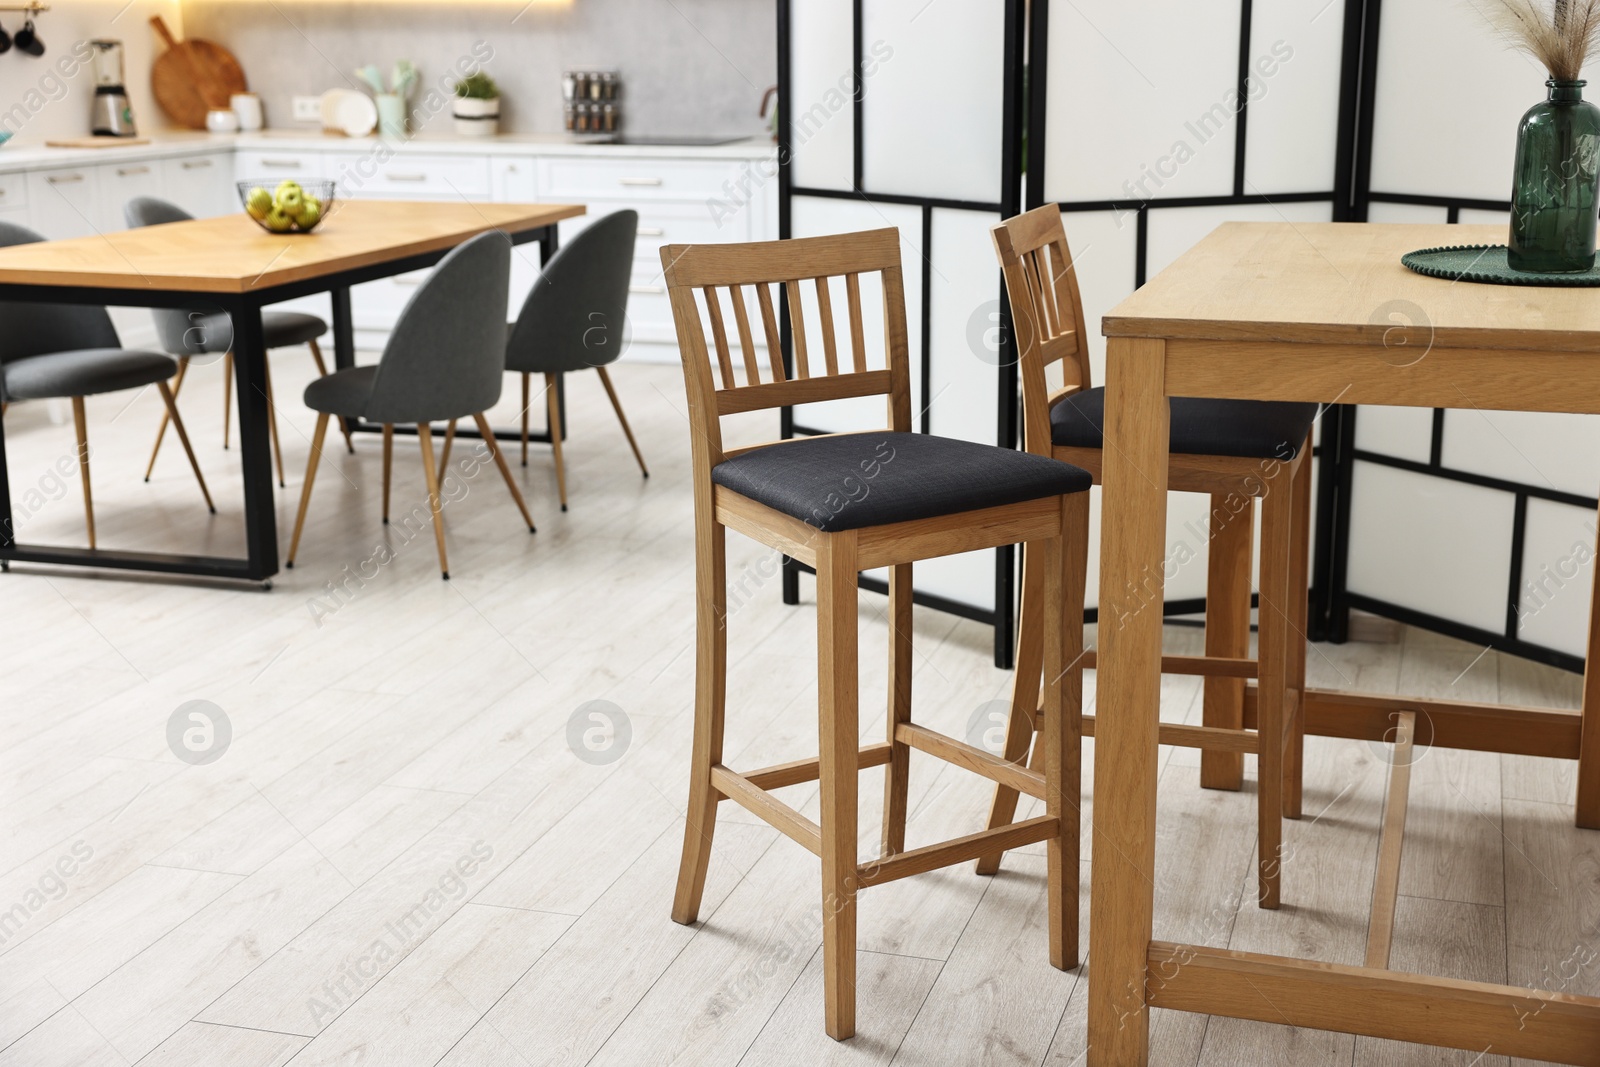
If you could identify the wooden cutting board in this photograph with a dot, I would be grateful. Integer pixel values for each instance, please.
(95, 142)
(192, 77)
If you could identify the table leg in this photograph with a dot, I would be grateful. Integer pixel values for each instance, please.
(1589, 748)
(255, 450)
(344, 329)
(8, 535)
(1132, 540)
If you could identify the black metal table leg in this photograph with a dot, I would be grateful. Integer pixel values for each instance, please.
(8, 535)
(344, 329)
(255, 450)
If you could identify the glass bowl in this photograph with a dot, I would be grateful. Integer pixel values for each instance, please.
(287, 206)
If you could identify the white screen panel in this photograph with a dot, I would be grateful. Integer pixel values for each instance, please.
(932, 107)
(1174, 230)
(1557, 576)
(821, 81)
(1140, 99)
(1460, 143)
(1105, 253)
(815, 216)
(1431, 545)
(1291, 127)
(1379, 211)
(1472, 216)
(1187, 537)
(1405, 433)
(1548, 450)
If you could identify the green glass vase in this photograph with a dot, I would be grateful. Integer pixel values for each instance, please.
(1554, 184)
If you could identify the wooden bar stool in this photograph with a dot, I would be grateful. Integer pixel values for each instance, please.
(1236, 451)
(845, 503)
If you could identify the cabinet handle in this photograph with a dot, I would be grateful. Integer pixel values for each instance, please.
(651, 231)
(638, 181)
(64, 179)
(652, 290)
(406, 177)
(405, 279)
(129, 172)
(196, 164)
(285, 164)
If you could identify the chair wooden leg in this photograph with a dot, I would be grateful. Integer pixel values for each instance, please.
(161, 430)
(1299, 575)
(1066, 573)
(710, 696)
(838, 732)
(525, 403)
(227, 395)
(553, 406)
(1277, 528)
(305, 490)
(435, 504)
(449, 442)
(505, 471)
(1024, 691)
(897, 772)
(81, 427)
(272, 421)
(170, 398)
(1230, 552)
(388, 466)
(322, 372)
(605, 380)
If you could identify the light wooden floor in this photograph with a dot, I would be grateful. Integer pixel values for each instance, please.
(400, 859)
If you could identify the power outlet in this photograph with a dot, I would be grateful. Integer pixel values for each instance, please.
(308, 109)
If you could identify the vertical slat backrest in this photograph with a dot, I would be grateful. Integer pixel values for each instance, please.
(1047, 312)
(719, 272)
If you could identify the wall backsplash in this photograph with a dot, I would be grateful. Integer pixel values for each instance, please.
(688, 66)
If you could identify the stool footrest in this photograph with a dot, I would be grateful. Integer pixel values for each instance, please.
(774, 812)
(957, 850)
(1211, 738)
(1211, 666)
(806, 770)
(970, 758)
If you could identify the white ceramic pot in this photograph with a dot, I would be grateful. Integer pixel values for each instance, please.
(476, 118)
(222, 120)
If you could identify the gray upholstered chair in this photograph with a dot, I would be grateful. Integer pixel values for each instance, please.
(189, 332)
(445, 360)
(573, 320)
(54, 351)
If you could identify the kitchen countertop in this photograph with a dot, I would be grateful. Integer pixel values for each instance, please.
(168, 143)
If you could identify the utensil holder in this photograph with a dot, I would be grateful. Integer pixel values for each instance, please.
(391, 115)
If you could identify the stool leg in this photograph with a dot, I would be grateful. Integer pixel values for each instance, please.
(524, 419)
(435, 504)
(322, 372)
(1277, 529)
(1299, 572)
(272, 421)
(305, 490)
(897, 772)
(710, 696)
(838, 732)
(80, 427)
(1587, 809)
(1024, 690)
(161, 430)
(552, 395)
(388, 466)
(1066, 573)
(1227, 628)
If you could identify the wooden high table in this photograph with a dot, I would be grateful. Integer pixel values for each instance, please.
(1313, 312)
(232, 264)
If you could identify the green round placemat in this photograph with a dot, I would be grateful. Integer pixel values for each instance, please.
(1487, 264)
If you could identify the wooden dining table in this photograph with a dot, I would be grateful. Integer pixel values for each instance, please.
(231, 264)
(1314, 312)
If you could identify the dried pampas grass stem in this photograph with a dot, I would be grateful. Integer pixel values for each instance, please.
(1561, 34)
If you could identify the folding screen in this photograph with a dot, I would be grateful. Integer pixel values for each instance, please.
(1479, 524)
(904, 113)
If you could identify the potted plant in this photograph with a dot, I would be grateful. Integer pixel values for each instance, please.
(477, 106)
(1556, 180)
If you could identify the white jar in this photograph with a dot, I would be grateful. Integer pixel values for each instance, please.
(222, 120)
(247, 107)
(476, 118)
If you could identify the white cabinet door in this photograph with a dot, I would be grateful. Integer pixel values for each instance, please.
(256, 165)
(514, 180)
(122, 182)
(64, 202)
(201, 185)
(14, 198)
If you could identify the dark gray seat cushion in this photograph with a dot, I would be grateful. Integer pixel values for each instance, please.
(344, 392)
(214, 332)
(84, 372)
(869, 479)
(1254, 429)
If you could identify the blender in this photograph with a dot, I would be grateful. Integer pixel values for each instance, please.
(110, 115)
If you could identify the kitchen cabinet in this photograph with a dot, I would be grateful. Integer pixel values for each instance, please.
(121, 182)
(64, 202)
(201, 185)
(273, 165)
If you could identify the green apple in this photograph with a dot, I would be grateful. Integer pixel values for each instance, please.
(278, 221)
(288, 198)
(287, 184)
(310, 213)
(258, 203)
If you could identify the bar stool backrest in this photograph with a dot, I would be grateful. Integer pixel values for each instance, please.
(823, 369)
(1046, 313)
